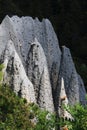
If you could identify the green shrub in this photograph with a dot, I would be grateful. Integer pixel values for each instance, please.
(14, 111)
(79, 113)
(17, 114)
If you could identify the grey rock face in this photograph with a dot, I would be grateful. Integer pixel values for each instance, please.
(37, 70)
(73, 83)
(34, 63)
(82, 91)
(15, 75)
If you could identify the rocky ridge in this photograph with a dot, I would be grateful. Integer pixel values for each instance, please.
(34, 65)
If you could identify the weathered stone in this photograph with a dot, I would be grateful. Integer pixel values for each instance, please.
(38, 63)
(38, 73)
(73, 85)
(15, 75)
(63, 102)
(82, 91)
(34, 64)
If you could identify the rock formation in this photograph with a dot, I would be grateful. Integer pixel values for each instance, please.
(73, 83)
(34, 64)
(63, 101)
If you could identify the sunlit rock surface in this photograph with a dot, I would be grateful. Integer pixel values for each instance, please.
(34, 63)
(63, 101)
(15, 75)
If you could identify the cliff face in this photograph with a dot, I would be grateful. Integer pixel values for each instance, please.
(34, 64)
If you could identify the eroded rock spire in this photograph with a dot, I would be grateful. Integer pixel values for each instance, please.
(34, 63)
(63, 103)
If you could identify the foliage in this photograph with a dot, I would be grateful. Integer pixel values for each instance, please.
(46, 121)
(14, 113)
(79, 113)
(17, 114)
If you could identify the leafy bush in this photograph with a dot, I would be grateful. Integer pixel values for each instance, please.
(79, 113)
(14, 112)
(45, 120)
(17, 114)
